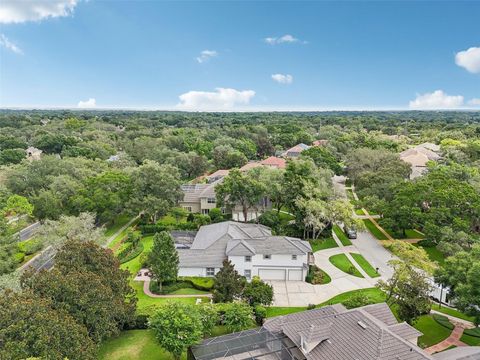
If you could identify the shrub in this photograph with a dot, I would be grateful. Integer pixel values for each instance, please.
(237, 316)
(443, 320)
(199, 283)
(132, 254)
(139, 322)
(19, 257)
(258, 292)
(216, 215)
(209, 316)
(356, 300)
(260, 313)
(169, 287)
(475, 332)
(30, 246)
(311, 306)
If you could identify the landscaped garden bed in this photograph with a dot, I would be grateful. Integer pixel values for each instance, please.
(341, 262)
(317, 276)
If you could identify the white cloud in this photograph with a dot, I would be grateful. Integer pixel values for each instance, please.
(475, 102)
(18, 11)
(282, 79)
(287, 38)
(436, 100)
(90, 103)
(206, 55)
(469, 59)
(220, 99)
(7, 44)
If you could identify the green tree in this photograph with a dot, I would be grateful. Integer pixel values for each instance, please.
(228, 284)
(18, 205)
(239, 189)
(163, 258)
(176, 327)
(237, 316)
(209, 317)
(258, 292)
(323, 157)
(226, 157)
(30, 326)
(461, 275)
(12, 156)
(156, 189)
(216, 215)
(409, 290)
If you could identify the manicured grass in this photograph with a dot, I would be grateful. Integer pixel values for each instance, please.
(322, 244)
(188, 291)
(341, 235)
(365, 265)
(135, 265)
(147, 304)
(374, 230)
(359, 212)
(374, 294)
(433, 332)
(470, 340)
(133, 344)
(452, 312)
(433, 253)
(341, 262)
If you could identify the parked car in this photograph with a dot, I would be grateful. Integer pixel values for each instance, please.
(351, 233)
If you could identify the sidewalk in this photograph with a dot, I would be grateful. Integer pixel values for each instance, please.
(452, 340)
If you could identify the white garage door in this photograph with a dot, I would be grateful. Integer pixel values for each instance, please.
(271, 274)
(295, 275)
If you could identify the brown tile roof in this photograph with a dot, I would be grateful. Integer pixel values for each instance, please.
(274, 162)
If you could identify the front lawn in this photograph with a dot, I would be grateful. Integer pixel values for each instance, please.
(433, 332)
(374, 229)
(365, 265)
(135, 264)
(322, 244)
(120, 221)
(341, 262)
(341, 235)
(413, 234)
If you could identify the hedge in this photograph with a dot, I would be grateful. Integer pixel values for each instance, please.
(475, 332)
(183, 282)
(156, 228)
(199, 283)
(443, 320)
(124, 257)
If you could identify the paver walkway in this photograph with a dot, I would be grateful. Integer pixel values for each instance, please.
(452, 340)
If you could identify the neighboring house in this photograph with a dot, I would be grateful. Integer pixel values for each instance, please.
(199, 198)
(33, 153)
(217, 175)
(295, 151)
(320, 143)
(272, 161)
(251, 248)
(419, 156)
(330, 333)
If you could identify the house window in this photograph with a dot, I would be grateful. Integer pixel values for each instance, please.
(248, 274)
(188, 208)
(248, 258)
(205, 211)
(267, 257)
(211, 200)
(210, 271)
(294, 257)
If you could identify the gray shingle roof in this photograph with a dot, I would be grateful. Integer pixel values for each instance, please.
(381, 312)
(405, 331)
(213, 243)
(336, 334)
(459, 353)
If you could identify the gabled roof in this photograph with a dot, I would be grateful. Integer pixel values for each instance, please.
(250, 165)
(194, 192)
(274, 162)
(214, 242)
(219, 173)
(297, 148)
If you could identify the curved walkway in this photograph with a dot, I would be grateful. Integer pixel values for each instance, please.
(452, 340)
(146, 290)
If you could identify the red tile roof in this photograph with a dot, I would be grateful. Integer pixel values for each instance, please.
(274, 162)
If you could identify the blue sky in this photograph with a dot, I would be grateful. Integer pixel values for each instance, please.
(256, 55)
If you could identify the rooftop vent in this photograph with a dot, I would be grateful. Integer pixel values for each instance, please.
(362, 324)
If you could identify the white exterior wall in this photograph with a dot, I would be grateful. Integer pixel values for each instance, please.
(276, 262)
(194, 271)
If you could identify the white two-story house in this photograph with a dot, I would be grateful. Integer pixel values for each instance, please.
(251, 248)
